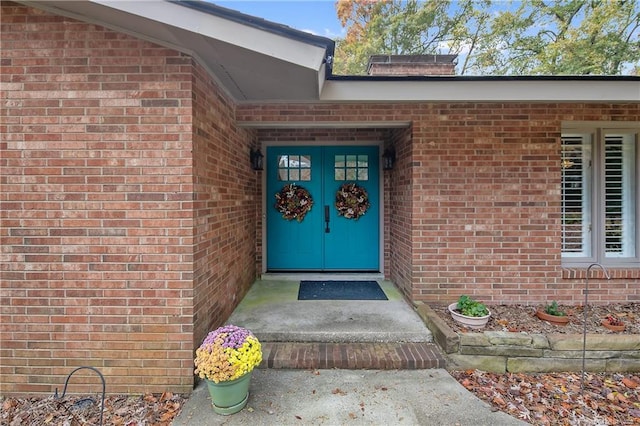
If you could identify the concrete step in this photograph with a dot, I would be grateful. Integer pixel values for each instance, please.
(353, 356)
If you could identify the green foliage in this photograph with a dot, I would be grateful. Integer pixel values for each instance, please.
(471, 308)
(532, 37)
(553, 309)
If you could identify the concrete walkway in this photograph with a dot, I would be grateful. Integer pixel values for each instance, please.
(315, 396)
(349, 397)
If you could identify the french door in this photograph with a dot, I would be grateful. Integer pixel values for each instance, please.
(324, 240)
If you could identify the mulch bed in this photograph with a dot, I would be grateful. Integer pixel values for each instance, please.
(539, 399)
(557, 398)
(76, 410)
(521, 318)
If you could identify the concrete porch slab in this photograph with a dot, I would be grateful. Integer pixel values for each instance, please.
(272, 311)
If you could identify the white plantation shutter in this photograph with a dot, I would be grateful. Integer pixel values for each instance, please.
(600, 180)
(576, 195)
(620, 189)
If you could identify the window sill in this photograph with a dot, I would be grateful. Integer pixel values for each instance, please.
(619, 273)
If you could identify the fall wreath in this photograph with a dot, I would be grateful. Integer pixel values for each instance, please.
(352, 201)
(294, 202)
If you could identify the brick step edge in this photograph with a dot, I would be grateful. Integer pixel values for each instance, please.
(352, 356)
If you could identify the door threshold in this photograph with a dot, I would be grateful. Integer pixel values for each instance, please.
(323, 276)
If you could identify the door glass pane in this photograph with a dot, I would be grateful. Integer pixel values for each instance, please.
(294, 167)
(351, 167)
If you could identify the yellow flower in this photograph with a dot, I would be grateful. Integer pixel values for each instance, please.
(218, 360)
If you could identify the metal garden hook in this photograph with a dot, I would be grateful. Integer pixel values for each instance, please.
(584, 333)
(104, 387)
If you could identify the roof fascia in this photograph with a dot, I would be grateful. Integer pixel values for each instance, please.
(232, 31)
(260, 23)
(482, 89)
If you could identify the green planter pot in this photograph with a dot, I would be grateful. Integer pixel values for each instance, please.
(231, 396)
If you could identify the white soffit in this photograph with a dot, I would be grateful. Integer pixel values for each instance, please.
(251, 63)
(496, 89)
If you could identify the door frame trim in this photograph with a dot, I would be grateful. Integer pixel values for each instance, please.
(263, 198)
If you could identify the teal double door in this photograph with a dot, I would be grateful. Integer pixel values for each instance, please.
(324, 240)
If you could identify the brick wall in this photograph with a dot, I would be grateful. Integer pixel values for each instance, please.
(483, 183)
(225, 208)
(411, 65)
(129, 209)
(399, 214)
(113, 206)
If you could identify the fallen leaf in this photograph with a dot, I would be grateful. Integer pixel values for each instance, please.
(499, 401)
(630, 383)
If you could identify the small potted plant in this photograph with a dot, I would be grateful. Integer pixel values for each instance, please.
(225, 359)
(553, 314)
(469, 312)
(613, 323)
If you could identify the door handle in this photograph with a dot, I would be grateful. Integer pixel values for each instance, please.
(326, 219)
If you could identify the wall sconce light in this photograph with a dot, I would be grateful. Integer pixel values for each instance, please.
(256, 159)
(388, 158)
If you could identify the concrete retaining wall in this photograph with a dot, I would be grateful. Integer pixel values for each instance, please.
(499, 351)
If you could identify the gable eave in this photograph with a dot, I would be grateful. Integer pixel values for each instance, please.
(252, 59)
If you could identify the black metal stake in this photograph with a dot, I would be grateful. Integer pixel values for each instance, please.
(104, 387)
(584, 332)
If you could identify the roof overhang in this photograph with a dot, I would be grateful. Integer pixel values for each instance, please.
(253, 59)
(257, 61)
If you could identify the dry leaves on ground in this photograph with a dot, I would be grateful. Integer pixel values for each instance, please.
(557, 399)
(119, 410)
(522, 318)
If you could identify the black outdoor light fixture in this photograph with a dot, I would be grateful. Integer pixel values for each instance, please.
(256, 158)
(388, 158)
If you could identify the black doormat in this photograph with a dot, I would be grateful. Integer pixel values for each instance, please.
(340, 290)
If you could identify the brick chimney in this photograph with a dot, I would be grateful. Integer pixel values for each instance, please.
(404, 65)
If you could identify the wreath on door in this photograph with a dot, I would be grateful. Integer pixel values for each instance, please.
(352, 201)
(293, 202)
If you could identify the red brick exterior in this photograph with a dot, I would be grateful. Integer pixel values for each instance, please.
(411, 69)
(225, 208)
(473, 201)
(131, 220)
(127, 207)
(411, 65)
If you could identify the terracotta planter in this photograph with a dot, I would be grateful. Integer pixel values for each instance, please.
(606, 324)
(553, 319)
(470, 322)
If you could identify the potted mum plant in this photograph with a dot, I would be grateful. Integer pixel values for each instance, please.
(469, 312)
(553, 314)
(225, 359)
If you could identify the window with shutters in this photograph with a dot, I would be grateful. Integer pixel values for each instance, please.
(600, 198)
